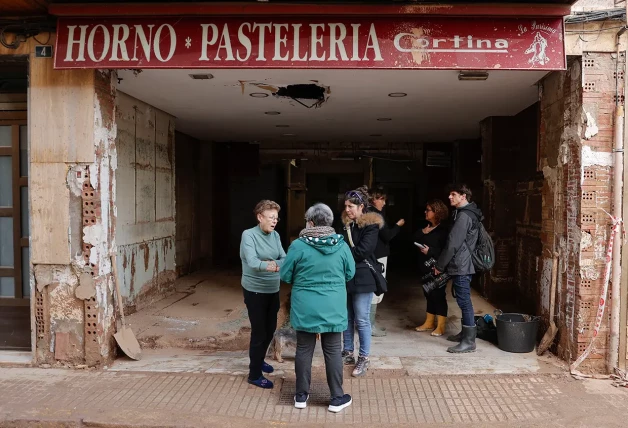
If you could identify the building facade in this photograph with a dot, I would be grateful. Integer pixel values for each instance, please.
(96, 171)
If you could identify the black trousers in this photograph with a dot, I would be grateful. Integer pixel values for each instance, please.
(437, 301)
(263, 309)
(332, 349)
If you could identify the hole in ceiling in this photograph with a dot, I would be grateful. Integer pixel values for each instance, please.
(309, 95)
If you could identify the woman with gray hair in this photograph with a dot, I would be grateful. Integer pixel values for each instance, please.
(318, 266)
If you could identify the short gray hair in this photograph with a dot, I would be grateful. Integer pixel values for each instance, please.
(320, 214)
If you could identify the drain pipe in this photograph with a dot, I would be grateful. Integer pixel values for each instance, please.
(618, 184)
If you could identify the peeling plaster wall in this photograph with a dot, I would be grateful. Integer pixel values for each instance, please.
(145, 202)
(560, 161)
(576, 158)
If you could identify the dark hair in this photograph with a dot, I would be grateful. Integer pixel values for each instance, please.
(461, 189)
(440, 209)
(359, 196)
(377, 192)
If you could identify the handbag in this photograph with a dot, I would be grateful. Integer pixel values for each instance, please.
(381, 285)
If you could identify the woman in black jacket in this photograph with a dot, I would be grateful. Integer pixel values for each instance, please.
(361, 229)
(378, 198)
(433, 238)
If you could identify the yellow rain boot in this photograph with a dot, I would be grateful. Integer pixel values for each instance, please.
(440, 328)
(428, 324)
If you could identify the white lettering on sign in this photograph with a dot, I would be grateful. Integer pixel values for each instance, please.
(105, 46)
(247, 41)
(119, 43)
(409, 42)
(145, 42)
(157, 44)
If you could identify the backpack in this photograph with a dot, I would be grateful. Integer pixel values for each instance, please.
(483, 255)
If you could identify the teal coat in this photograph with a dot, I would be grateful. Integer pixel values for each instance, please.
(318, 269)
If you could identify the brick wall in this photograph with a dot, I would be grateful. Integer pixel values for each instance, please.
(576, 143)
(599, 88)
(560, 160)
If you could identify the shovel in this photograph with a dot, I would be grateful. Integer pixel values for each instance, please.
(124, 337)
(550, 334)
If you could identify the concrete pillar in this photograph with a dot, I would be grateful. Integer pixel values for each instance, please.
(73, 159)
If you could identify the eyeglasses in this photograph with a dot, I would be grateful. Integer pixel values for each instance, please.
(273, 218)
(353, 194)
(427, 210)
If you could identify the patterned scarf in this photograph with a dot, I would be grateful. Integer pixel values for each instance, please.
(317, 232)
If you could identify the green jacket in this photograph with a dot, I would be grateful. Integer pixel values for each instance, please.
(318, 269)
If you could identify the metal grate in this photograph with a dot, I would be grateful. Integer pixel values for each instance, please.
(319, 393)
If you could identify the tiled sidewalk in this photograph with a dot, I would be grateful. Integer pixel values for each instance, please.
(96, 398)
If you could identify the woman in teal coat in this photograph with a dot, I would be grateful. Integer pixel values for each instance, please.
(318, 266)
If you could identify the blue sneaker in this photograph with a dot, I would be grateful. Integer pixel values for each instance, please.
(267, 368)
(262, 382)
(339, 403)
(300, 400)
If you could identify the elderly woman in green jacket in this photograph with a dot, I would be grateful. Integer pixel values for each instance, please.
(318, 266)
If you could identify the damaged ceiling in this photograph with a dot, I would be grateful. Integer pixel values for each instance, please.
(331, 105)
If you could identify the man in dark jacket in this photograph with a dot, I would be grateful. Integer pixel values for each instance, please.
(456, 260)
(378, 198)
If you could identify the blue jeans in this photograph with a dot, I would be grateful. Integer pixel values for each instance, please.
(359, 313)
(462, 289)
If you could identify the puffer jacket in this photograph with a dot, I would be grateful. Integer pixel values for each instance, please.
(365, 234)
(455, 259)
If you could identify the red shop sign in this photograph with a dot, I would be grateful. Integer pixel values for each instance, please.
(323, 42)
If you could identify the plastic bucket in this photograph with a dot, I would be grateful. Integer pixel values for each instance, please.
(516, 332)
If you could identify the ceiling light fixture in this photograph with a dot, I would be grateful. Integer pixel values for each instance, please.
(201, 76)
(397, 94)
(258, 95)
(473, 75)
(384, 119)
(289, 135)
(272, 113)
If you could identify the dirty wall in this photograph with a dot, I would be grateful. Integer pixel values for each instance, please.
(145, 195)
(73, 159)
(512, 208)
(193, 204)
(576, 144)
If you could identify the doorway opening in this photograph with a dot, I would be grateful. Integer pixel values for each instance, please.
(236, 142)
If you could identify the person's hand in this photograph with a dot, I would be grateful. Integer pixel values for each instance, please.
(425, 249)
(271, 267)
(437, 272)
(401, 222)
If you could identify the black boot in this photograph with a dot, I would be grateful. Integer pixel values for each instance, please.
(468, 341)
(455, 337)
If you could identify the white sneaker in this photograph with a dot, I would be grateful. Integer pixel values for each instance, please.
(300, 400)
(339, 403)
